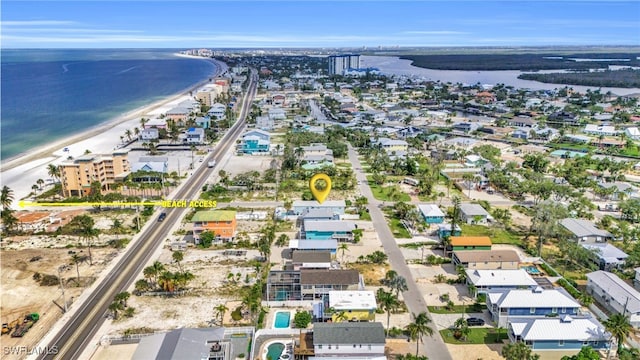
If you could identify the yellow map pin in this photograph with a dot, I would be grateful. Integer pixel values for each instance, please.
(320, 195)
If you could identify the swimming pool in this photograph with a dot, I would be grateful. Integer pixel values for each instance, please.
(274, 351)
(282, 320)
(531, 270)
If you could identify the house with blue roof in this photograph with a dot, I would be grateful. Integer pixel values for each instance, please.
(536, 303)
(195, 136)
(564, 333)
(255, 141)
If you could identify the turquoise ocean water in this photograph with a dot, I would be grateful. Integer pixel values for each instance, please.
(47, 95)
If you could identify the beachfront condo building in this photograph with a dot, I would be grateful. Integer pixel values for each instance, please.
(78, 174)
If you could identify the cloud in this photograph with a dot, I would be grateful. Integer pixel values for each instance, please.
(435, 32)
(37, 22)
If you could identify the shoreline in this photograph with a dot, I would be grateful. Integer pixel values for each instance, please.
(21, 172)
(49, 149)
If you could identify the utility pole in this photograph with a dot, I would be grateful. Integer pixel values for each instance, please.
(64, 299)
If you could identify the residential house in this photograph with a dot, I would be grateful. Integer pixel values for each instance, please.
(156, 164)
(636, 279)
(351, 306)
(264, 123)
(473, 214)
(615, 295)
(317, 154)
(444, 230)
(473, 160)
(521, 134)
(460, 243)
(536, 303)
(465, 126)
(564, 333)
(222, 223)
(330, 245)
(149, 134)
(255, 141)
(277, 114)
(156, 123)
(339, 230)
(607, 256)
(195, 136)
(431, 213)
(349, 340)
(335, 206)
(563, 118)
(310, 260)
(485, 281)
(178, 114)
(203, 122)
(485, 97)
(310, 284)
(487, 259)
(632, 133)
(585, 231)
(391, 146)
(319, 214)
(523, 122)
(622, 190)
(278, 100)
(76, 175)
(597, 130)
(185, 343)
(217, 111)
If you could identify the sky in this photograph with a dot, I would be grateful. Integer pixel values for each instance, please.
(301, 23)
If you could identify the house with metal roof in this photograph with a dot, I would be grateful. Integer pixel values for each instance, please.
(185, 343)
(615, 295)
(606, 256)
(564, 333)
(473, 214)
(585, 231)
(535, 303)
(431, 213)
(328, 229)
(351, 306)
(349, 340)
(487, 259)
(335, 206)
(485, 281)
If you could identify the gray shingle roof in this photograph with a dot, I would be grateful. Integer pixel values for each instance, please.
(311, 256)
(178, 344)
(583, 228)
(332, 277)
(348, 333)
(473, 210)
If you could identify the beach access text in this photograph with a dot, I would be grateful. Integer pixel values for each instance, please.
(187, 203)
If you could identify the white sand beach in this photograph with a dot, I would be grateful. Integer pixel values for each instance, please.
(21, 173)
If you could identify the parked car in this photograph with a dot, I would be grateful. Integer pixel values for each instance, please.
(162, 217)
(608, 207)
(475, 322)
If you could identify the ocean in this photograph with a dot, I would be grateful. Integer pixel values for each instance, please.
(47, 95)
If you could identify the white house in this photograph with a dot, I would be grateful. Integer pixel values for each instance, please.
(149, 134)
(564, 333)
(495, 280)
(607, 256)
(473, 214)
(632, 133)
(606, 130)
(538, 302)
(195, 136)
(349, 340)
(615, 294)
(217, 111)
(277, 114)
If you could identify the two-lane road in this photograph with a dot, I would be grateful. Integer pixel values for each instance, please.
(89, 316)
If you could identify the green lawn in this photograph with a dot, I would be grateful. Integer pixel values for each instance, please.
(457, 309)
(477, 336)
(497, 235)
(382, 192)
(398, 229)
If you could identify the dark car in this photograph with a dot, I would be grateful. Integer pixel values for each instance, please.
(162, 217)
(475, 322)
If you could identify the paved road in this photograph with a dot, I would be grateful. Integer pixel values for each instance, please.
(88, 317)
(433, 346)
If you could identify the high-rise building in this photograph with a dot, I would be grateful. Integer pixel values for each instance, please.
(338, 64)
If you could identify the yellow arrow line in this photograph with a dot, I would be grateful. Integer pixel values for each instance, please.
(29, 203)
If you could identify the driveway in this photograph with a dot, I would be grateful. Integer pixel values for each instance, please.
(433, 346)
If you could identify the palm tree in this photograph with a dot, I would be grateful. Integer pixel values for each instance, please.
(343, 247)
(6, 197)
(166, 280)
(219, 312)
(40, 182)
(388, 302)
(128, 133)
(53, 171)
(83, 226)
(152, 272)
(77, 259)
(177, 257)
(122, 298)
(115, 307)
(419, 328)
(619, 327)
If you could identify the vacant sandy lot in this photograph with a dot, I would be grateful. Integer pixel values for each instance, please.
(21, 294)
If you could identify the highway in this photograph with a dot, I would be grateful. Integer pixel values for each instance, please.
(80, 330)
